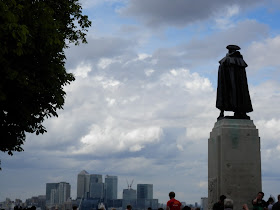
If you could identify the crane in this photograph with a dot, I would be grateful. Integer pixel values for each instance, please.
(129, 185)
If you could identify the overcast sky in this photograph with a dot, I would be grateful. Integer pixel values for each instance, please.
(143, 103)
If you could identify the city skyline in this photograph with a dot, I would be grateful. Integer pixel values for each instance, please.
(53, 191)
(142, 105)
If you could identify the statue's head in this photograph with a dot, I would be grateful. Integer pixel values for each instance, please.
(232, 48)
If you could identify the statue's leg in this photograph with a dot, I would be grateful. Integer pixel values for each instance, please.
(221, 114)
(241, 115)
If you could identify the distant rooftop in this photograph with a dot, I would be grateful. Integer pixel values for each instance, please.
(83, 172)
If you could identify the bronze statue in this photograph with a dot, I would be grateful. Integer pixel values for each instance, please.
(232, 91)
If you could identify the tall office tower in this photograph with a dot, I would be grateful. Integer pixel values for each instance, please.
(82, 184)
(53, 197)
(129, 194)
(144, 191)
(111, 187)
(96, 187)
(95, 178)
(63, 192)
(89, 185)
(96, 190)
(204, 203)
(57, 193)
(49, 188)
(129, 198)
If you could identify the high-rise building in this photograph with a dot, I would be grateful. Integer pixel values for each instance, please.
(54, 197)
(49, 188)
(57, 193)
(111, 187)
(144, 191)
(63, 192)
(145, 196)
(129, 194)
(129, 197)
(96, 190)
(204, 203)
(95, 178)
(82, 184)
(89, 185)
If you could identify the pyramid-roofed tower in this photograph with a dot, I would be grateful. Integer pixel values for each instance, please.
(82, 183)
(83, 172)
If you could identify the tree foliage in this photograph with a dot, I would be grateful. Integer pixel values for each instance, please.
(33, 37)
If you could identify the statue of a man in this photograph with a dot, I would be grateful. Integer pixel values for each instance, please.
(232, 91)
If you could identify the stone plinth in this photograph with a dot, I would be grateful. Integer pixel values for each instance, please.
(234, 162)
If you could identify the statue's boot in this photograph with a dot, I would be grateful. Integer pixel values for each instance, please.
(241, 115)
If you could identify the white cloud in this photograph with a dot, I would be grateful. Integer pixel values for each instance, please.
(82, 70)
(263, 54)
(191, 82)
(104, 62)
(198, 132)
(149, 72)
(111, 101)
(143, 56)
(269, 129)
(232, 10)
(107, 83)
(112, 137)
(225, 20)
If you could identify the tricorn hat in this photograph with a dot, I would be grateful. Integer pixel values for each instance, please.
(233, 47)
(223, 197)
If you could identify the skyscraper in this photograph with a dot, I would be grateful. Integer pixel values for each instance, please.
(57, 193)
(49, 188)
(96, 188)
(63, 192)
(53, 197)
(129, 194)
(129, 198)
(95, 178)
(145, 196)
(111, 187)
(204, 203)
(144, 191)
(82, 184)
(89, 185)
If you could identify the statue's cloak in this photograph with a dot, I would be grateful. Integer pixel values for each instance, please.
(232, 91)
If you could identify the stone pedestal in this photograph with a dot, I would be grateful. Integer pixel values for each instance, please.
(234, 162)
